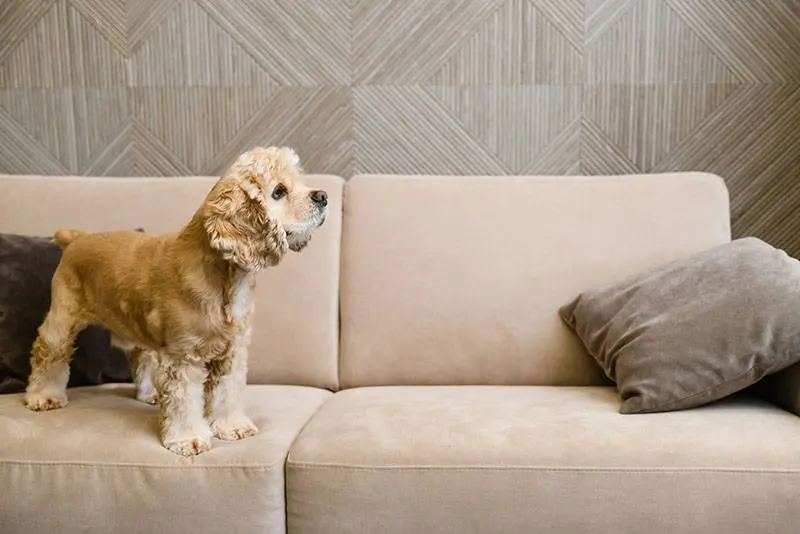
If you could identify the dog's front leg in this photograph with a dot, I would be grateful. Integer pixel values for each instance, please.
(225, 387)
(179, 383)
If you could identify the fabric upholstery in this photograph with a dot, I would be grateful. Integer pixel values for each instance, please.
(27, 264)
(295, 334)
(694, 330)
(97, 466)
(458, 280)
(551, 459)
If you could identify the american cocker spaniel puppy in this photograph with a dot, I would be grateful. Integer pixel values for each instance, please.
(181, 303)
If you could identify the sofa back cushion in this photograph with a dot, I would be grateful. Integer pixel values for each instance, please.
(295, 330)
(458, 280)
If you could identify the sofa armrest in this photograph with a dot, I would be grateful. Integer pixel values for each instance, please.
(782, 388)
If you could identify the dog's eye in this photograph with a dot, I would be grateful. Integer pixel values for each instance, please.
(279, 192)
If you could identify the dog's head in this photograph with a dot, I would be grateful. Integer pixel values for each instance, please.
(260, 209)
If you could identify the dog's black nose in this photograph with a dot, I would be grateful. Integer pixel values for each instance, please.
(319, 197)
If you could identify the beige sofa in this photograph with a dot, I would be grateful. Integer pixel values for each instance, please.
(410, 374)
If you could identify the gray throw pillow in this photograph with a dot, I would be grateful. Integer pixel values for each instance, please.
(27, 265)
(694, 330)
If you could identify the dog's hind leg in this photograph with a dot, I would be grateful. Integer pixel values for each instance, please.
(52, 350)
(225, 388)
(143, 362)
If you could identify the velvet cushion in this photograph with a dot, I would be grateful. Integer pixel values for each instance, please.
(27, 264)
(694, 330)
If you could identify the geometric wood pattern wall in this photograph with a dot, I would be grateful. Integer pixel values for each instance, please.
(179, 87)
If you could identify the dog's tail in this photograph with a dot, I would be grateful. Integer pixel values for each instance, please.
(65, 236)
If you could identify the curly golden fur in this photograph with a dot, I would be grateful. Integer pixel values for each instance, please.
(181, 303)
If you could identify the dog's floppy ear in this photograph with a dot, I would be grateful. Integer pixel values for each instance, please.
(240, 228)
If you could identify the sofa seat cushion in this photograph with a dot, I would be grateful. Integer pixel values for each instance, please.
(97, 466)
(503, 459)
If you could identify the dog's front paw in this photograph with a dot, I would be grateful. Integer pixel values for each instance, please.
(42, 402)
(147, 396)
(147, 399)
(233, 428)
(188, 446)
(188, 440)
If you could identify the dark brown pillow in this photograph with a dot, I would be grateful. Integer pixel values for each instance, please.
(694, 330)
(27, 265)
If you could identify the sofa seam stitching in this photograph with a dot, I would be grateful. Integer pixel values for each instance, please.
(315, 466)
(56, 463)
